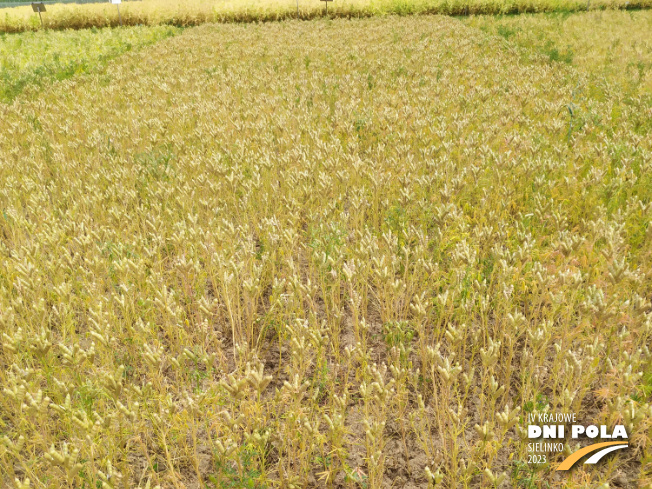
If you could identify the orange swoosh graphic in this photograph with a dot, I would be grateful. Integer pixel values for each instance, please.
(571, 459)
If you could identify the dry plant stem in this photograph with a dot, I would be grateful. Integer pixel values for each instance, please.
(168, 460)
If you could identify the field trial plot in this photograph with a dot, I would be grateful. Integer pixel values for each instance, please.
(321, 254)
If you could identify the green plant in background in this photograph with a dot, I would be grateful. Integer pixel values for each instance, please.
(528, 476)
(38, 58)
(230, 477)
(398, 333)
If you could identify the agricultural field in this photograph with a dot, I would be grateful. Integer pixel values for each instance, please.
(183, 13)
(344, 253)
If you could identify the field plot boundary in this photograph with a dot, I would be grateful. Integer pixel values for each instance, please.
(22, 76)
(55, 2)
(67, 15)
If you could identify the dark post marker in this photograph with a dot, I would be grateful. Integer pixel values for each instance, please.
(117, 4)
(39, 7)
(326, 5)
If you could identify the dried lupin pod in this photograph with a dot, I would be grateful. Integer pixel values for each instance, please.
(111, 478)
(231, 422)
(633, 416)
(373, 430)
(237, 388)
(468, 377)
(148, 486)
(568, 242)
(341, 402)
(447, 370)
(435, 478)
(13, 447)
(455, 335)
(26, 484)
(296, 389)
(35, 404)
(17, 392)
(63, 387)
(509, 417)
(64, 459)
(335, 423)
(618, 270)
(495, 479)
(495, 389)
(225, 449)
(75, 356)
(459, 415)
(129, 412)
(311, 428)
(114, 383)
(153, 356)
(256, 378)
(490, 354)
(41, 344)
(485, 432)
(12, 343)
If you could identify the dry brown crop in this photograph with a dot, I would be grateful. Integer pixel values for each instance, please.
(348, 253)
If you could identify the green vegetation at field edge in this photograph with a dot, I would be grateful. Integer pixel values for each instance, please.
(35, 58)
(609, 48)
